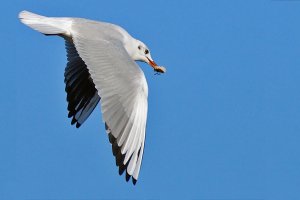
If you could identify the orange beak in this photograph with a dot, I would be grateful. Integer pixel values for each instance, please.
(152, 63)
(156, 67)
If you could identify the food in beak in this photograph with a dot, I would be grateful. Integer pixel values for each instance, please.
(156, 68)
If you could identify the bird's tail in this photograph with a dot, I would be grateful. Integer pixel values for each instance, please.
(46, 25)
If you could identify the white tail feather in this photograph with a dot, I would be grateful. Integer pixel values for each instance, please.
(46, 25)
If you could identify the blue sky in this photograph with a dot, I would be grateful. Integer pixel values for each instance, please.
(223, 122)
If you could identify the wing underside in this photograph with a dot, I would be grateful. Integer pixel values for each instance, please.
(123, 101)
(82, 96)
(124, 91)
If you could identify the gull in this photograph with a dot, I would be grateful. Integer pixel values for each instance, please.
(101, 68)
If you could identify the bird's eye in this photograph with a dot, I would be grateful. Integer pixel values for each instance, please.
(146, 51)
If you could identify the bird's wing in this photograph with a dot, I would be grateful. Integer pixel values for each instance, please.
(82, 96)
(123, 89)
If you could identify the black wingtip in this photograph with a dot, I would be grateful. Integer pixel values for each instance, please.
(78, 125)
(134, 181)
(111, 138)
(121, 169)
(119, 157)
(73, 121)
(70, 114)
(127, 177)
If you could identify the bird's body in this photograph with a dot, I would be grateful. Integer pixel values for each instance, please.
(101, 67)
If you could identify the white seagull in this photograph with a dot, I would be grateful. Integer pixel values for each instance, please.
(101, 67)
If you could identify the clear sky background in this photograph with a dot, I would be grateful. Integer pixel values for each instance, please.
(223, 122)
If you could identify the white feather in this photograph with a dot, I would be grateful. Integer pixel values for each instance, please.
(46, 25)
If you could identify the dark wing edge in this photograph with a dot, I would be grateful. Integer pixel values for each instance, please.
(119, 156)
(82, 96)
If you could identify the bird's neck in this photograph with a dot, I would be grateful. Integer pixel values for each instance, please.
(131, 46)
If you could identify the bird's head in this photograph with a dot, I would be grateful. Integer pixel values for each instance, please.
(142, 53)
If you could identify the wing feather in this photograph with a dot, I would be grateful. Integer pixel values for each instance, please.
(124, 91)
(82, 96)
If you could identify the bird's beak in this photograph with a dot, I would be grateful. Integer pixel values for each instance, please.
(151, 63)
(155, 66)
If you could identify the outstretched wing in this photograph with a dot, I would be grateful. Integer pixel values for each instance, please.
(82, 96)
(99, 66)
(124, 91)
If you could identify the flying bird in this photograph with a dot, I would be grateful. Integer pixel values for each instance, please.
(101, 68)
